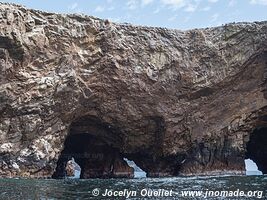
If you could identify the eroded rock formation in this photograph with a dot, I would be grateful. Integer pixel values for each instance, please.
(175, 102)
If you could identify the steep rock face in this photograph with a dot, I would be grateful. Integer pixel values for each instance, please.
(175, 102)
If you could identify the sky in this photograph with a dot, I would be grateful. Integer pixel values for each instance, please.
(175, 14)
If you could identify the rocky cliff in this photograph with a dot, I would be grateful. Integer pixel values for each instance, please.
(175, 102)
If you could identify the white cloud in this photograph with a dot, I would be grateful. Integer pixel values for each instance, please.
(172, 18)
(99, 9)
(146, 2)
(214, 17)
(111, 8)
(109, 1)
(132, 4)
(261, 2)
(207, 8)
(174, 4)
(156, 11)
(191, 7)
(73, 6)
(213, 1)
(232, 3)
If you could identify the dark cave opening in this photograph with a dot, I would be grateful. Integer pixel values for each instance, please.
(257, 148)
(95, 158)
(96, 148)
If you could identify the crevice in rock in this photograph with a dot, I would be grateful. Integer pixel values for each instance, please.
(13, 47)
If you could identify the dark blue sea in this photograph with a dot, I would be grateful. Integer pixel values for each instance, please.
(217, 187)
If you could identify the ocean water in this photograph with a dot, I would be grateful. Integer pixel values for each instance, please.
(254, 187)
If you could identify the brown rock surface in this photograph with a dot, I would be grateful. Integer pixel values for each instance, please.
(175, 102)
(70, 169)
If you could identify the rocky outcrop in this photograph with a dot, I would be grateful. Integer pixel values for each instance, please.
(175, 102)
(70, 169)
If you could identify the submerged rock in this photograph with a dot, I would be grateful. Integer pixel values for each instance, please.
(175, 102)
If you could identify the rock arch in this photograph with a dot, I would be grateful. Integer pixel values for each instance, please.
(100, 148)
(96, 147)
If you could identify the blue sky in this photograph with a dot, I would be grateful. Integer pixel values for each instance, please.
(177, 14)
